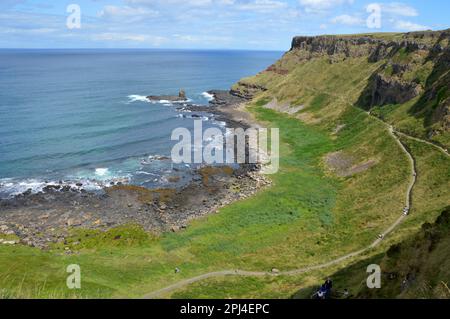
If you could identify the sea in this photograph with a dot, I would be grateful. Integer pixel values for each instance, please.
(82, 117)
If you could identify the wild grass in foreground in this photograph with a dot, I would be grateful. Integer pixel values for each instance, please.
(306, 218)
(310, 215)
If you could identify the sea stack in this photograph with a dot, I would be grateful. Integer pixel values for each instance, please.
(181, 97)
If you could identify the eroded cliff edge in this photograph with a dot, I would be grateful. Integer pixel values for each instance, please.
(409, 86)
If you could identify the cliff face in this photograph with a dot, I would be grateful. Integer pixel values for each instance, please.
(356, 46)
(413, 64)
(409, 75)
(374, 48)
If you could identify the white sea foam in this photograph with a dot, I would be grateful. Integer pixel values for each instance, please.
(142, 98)
(208, 96)
(167, 102)
(88, 180)
(183, 101)
(13, 188)
(158, 158)
(220, 123)
(137, 98)
(102, 172)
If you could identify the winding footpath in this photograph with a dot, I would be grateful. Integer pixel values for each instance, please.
(439, 148)
(390, 229)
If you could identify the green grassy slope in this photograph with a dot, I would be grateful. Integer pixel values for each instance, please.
(309, 216)
(301, 74)
(328, 93)
(415, 268)
(306, 218)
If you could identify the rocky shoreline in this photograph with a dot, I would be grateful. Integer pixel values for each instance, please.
(181, 97)
(38, 220)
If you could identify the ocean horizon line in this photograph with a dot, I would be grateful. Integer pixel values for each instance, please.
(140, 49)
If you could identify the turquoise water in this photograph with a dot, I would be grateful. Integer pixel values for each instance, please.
(81, 115)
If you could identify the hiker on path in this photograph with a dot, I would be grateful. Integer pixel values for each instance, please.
(328, 284)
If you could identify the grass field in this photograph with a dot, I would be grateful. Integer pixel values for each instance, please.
(309, 216)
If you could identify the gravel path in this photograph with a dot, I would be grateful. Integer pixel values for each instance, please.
(390, 229)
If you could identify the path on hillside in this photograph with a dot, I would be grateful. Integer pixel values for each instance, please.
(397, 133)
(441, 149)
(243, 273)
(345, 99)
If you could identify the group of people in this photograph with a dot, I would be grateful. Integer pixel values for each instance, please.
(325, 291)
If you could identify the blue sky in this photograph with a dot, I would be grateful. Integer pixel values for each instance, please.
(204, 24)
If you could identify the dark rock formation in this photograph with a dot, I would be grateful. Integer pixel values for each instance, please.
(181, 97)
(332, 45)
(375, 48)
(225, 98)
(391, 91)
(247, 90)
(435, 102)
(410, 65)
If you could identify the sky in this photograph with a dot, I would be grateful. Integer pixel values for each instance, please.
(205, 24)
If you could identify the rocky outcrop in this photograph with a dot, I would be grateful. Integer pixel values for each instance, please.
(375, 49)
(401, 78)
(181, 97)
(43, 219)
(332, 45)
(382, 51)
(247, 90)
(224, 98)
(405, 68)
(434, 104)
(387, 90)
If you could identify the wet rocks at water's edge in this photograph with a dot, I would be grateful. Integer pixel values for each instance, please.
(40, 219)
(225, 98)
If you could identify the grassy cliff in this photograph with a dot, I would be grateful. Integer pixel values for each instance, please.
(329, 84)
(402, 78)
(342, 181)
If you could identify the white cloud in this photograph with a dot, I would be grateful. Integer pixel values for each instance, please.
(321, 5)
(262, 5)
(124, 37)
(409, 26)
(203, 38)
(28, 31)
(399, 9)
(116, 12)
(348, 20)
(191, 3)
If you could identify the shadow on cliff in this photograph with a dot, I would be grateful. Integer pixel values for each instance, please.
(415, 268)
(431, 105)
(433, 102)
(351, 278)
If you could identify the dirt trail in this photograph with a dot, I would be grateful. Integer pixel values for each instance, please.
(346, 100)
(390, 229)
(441, 149)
